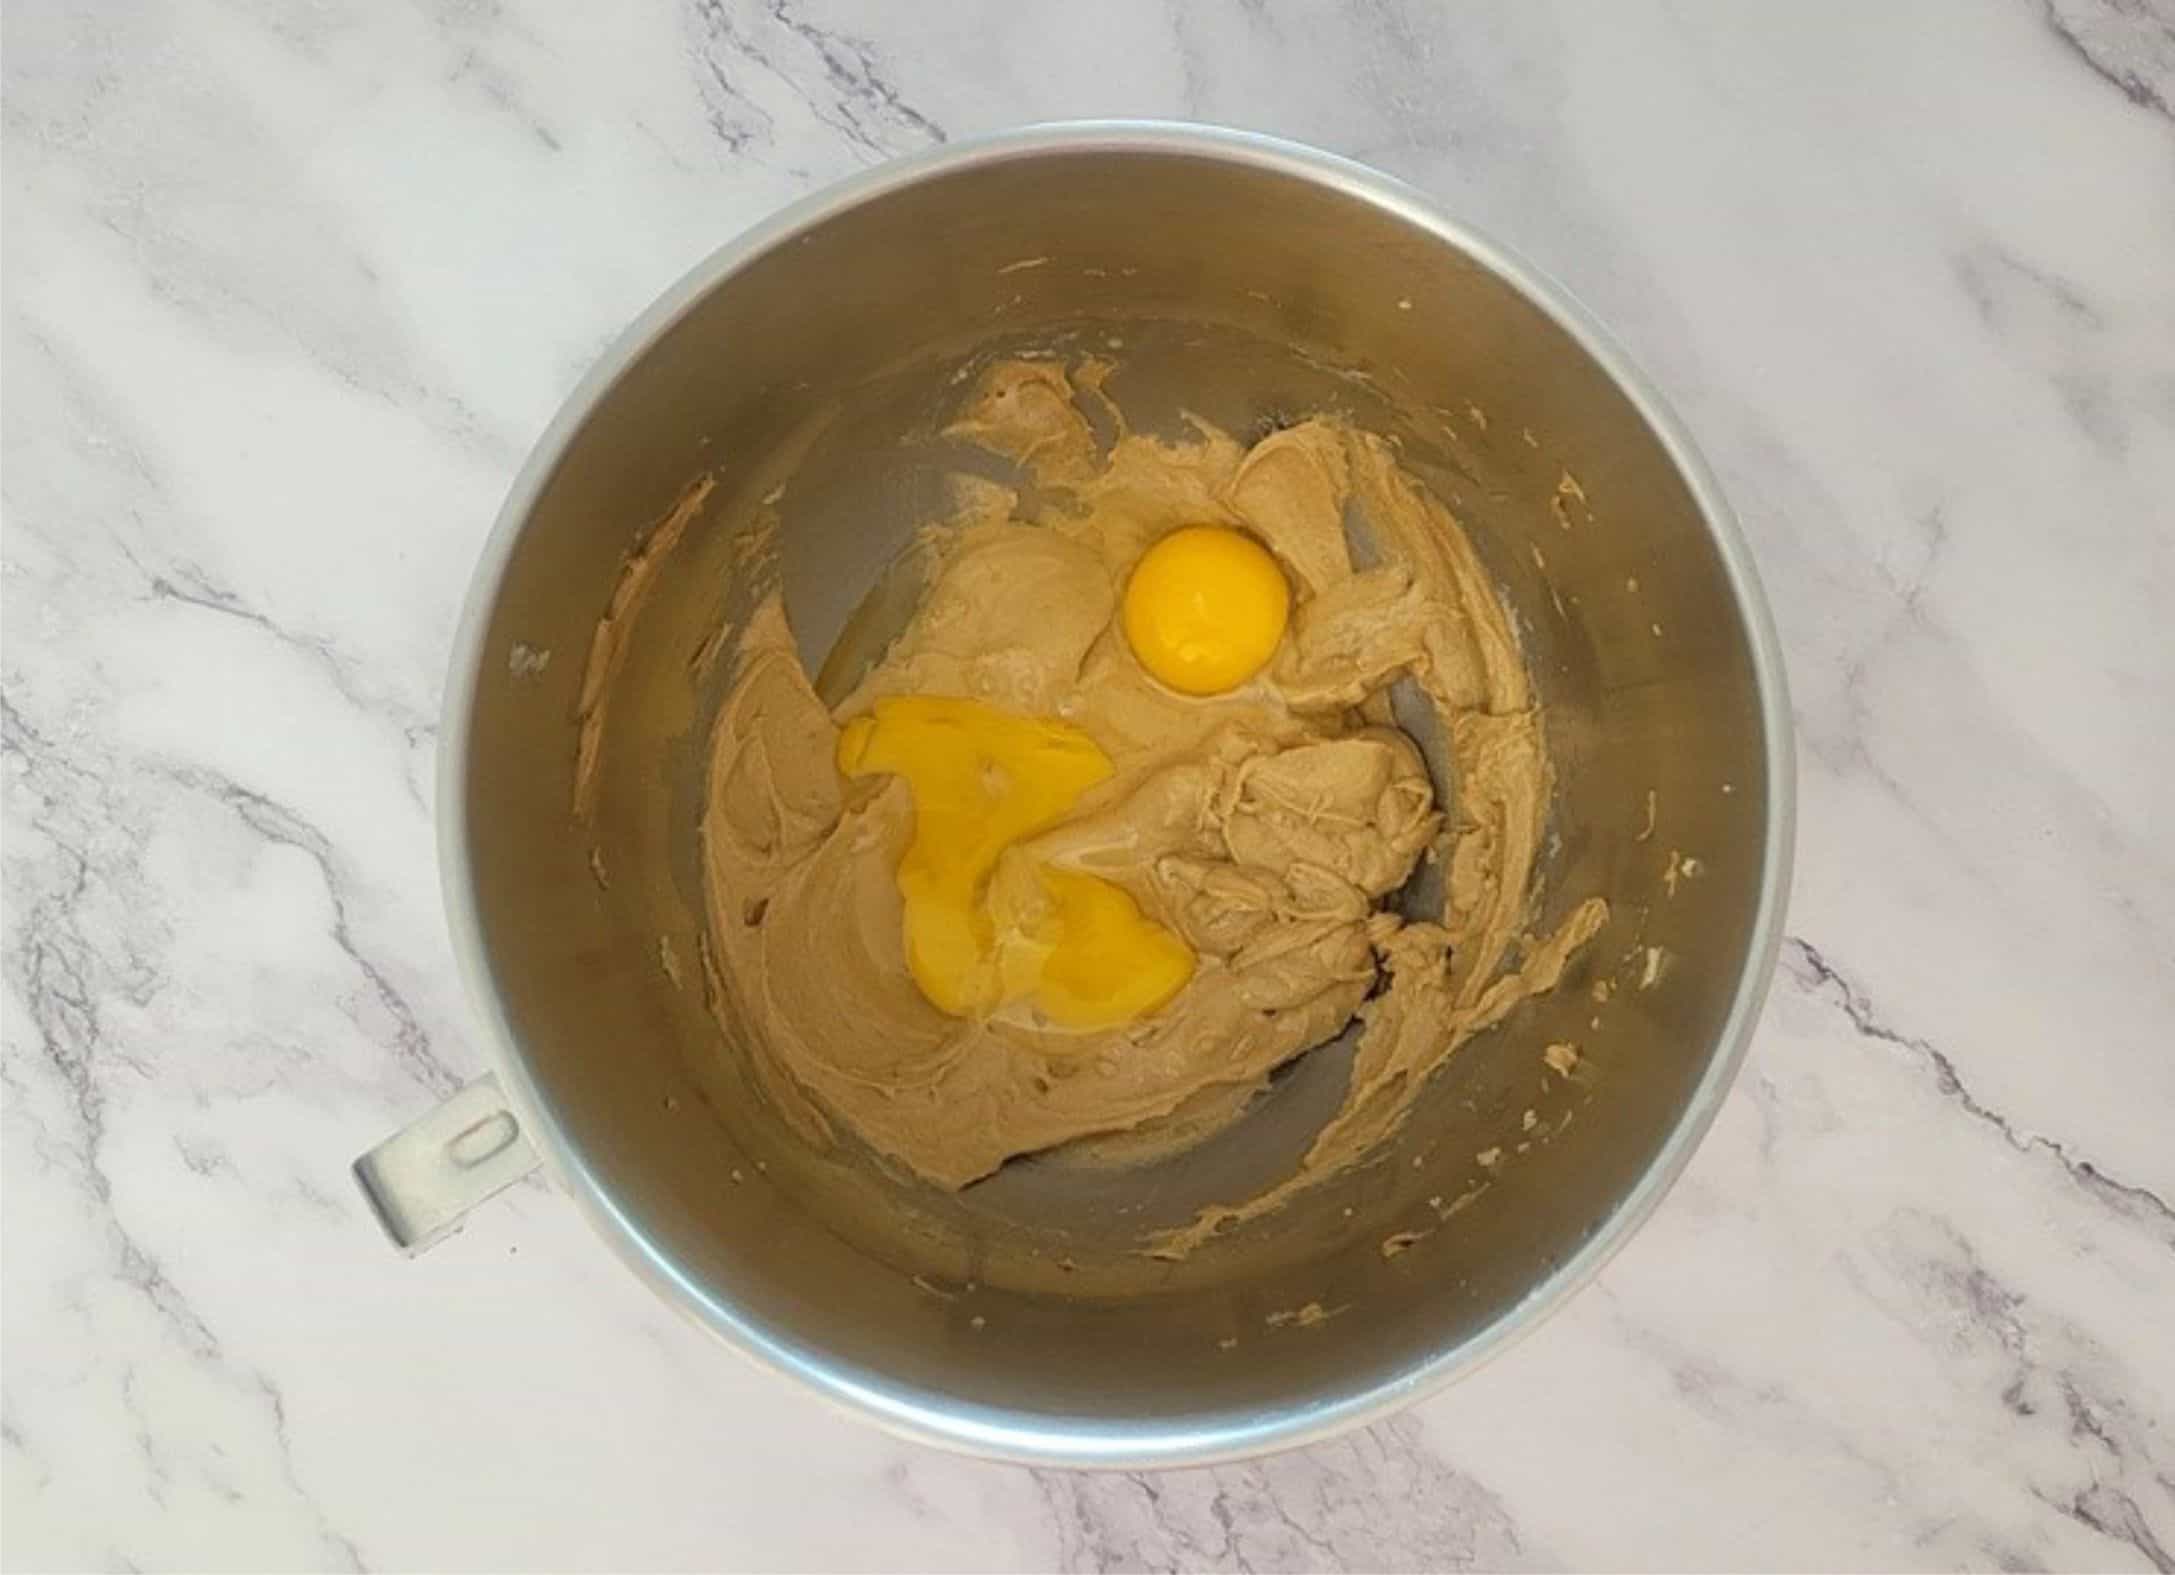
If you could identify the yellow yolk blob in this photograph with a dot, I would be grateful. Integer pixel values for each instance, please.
(1205, 609)
(982, 929)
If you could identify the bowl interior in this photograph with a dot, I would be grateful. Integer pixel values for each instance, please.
(1246, 288)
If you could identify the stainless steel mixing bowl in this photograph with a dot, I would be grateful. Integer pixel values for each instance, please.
(1249, 281)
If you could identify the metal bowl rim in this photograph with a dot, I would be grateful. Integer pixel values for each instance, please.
(1023, 1437)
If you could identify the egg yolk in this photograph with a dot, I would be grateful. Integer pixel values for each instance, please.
(985, 924)
(1205, 609)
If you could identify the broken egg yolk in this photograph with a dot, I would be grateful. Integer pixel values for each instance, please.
(985, 923)
(1205, 609)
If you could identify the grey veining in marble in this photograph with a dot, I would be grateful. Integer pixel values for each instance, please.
(291, 288)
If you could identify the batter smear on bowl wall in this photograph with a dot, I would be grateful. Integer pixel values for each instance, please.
(1115, 826)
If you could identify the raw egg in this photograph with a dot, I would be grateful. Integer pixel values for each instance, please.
(984, 924)
(1205, 609)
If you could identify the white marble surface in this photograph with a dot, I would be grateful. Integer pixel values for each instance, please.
(290, 288)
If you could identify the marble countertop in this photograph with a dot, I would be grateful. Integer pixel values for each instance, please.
(290, 289)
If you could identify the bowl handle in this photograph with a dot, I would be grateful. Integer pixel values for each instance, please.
(425, 1178)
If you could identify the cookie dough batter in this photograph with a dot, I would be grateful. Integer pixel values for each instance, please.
(1263, 827)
